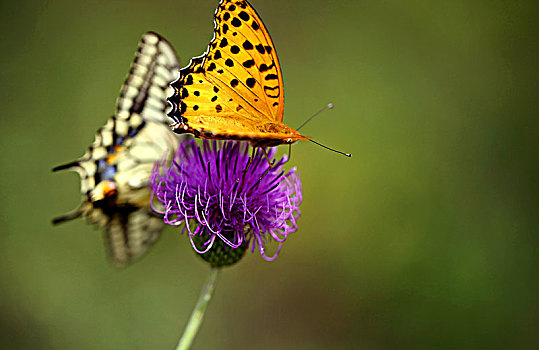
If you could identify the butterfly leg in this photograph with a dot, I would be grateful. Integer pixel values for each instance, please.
(270, 164)
(289, 152)
(248, 165)
(267, 158)
(252, 155)
(250, 160)
(269, 167)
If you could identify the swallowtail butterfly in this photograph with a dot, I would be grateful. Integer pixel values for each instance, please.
(117, 166)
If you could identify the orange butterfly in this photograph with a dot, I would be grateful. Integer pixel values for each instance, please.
(234, 91)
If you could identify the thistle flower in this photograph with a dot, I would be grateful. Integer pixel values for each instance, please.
(227, 204)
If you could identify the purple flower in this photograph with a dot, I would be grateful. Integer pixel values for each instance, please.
(222, 204)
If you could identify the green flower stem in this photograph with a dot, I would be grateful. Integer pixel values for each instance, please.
(198, 312)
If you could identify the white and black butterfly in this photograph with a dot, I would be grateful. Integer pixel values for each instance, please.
(117, 166)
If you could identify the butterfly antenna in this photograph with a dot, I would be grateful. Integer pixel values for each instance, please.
(331, 149)
(329, 106)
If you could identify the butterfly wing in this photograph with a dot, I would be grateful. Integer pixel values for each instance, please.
(129, 234)
(147, 84)
(236, 87)
(116, 168)
(115, 188)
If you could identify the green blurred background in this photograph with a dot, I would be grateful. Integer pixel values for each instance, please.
(426, 238)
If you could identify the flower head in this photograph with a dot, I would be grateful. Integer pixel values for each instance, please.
(226, 202)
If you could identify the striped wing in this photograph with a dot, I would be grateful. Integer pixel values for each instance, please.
(116, 168)
(147, 86)
(130, 233)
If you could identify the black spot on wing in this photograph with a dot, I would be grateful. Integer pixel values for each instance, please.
(250, 82)
(273, 92)
(264, 67)
(249, 63)
(247, 45)
(236, 22)
(260, 48)
(244, 15)
(183, 107)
